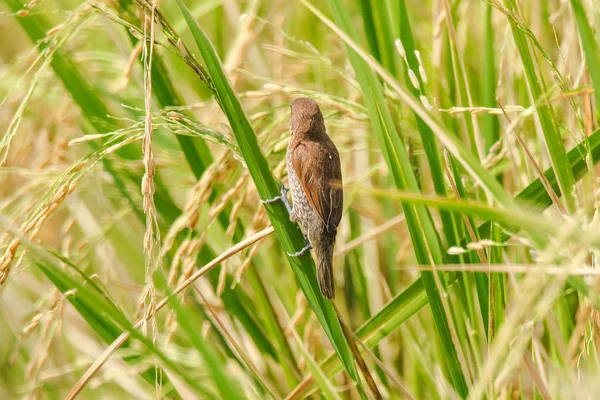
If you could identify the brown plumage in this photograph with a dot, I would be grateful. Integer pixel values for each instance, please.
(315, 180)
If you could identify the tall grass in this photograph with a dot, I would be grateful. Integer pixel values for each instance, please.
(136, 259)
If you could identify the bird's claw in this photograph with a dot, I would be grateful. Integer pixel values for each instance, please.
(303, 250)
(283, 198)
(283, 189)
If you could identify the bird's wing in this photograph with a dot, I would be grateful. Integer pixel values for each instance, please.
(319, 172)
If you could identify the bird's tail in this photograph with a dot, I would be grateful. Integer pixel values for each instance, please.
(324, 255)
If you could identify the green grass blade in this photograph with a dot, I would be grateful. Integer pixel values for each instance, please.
(195, 150)
(385, 40)
(491, 134)
(554, 143)
(425, 239)
(408, 302)
(227, 388)
(323, 382)
(590, 48)
(489, 123)
(109, 322)
(429, 142)
(287, 233)
(366, 9)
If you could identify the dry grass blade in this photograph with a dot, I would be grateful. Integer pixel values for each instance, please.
(381, 365)
(537, 168)
(93, 369)
(236, 345)
(364, 369)
(372, 234)
(535, 375)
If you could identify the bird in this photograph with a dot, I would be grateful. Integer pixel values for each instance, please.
(315, 182)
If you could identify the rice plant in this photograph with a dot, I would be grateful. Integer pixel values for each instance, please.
(140, 138)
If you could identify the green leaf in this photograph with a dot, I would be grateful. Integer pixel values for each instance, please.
(489, 123)
(590, 48)
(425, 238)
(287, 233)
(554, 143)
(322, 381)
(228, 388)
(412, 299)
(104, 317)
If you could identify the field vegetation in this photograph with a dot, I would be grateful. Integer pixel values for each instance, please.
(137, 138)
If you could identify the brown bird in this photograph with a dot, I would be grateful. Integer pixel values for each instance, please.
(315, 179)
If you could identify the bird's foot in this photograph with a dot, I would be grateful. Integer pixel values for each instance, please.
(303, 250)
(283, 198)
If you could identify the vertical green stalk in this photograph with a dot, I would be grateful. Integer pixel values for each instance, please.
(590, 48)
(463, 92)
(428, 138)
(554, 142)
(424, 235)
(267, 187)
(489, 123)
(385, 39)
(370, 32)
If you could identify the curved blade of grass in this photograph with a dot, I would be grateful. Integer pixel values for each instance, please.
(558, 154)
(428, 138)
(287, 233)
(590, 48)
(491, 134)
(452, 143)
(92, 107)
(104, 317)
(188, 322)
(412, 299)
(196, 151)
(322, 381)
(424, 236)
(515, 218)
(463, 96)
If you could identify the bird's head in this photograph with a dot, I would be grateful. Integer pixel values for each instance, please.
(307, 120)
